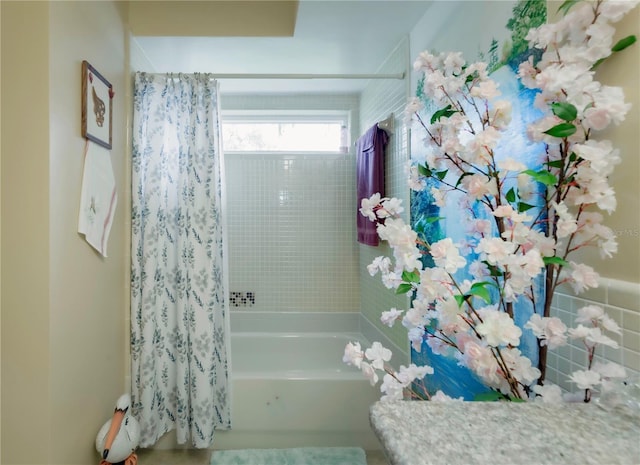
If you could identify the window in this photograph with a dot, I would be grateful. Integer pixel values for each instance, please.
(316, 132)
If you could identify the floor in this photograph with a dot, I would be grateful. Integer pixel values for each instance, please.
(201, 457)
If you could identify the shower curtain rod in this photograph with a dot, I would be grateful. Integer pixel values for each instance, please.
(305, 76)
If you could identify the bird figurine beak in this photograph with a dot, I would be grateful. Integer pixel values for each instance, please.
(116, 421)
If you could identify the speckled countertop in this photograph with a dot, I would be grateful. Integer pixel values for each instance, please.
(504, 433)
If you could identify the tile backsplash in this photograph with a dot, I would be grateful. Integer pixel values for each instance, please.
(621, 301)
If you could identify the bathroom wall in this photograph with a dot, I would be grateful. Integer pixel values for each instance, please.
(291, 220)
(378, 101)
(63, 348)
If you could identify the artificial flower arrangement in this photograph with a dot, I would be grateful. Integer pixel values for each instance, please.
(524, 224)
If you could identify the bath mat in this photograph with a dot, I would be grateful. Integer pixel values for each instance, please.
(297, 456)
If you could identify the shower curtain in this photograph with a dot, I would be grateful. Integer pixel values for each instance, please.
(178, 285)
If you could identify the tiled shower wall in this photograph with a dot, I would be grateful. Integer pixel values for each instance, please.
(381, 98)
(621, 301)
(291, 220)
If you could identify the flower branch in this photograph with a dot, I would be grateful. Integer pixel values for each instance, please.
(524, 223)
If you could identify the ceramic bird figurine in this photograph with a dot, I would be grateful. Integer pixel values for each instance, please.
(119, 437)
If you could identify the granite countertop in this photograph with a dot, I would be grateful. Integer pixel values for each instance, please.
(497, 433)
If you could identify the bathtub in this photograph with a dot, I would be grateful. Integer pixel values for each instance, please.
(293, 390)
(289, 386)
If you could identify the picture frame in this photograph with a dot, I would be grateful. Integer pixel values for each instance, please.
(97, 106)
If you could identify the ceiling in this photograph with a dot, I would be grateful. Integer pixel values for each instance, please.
(330, 37)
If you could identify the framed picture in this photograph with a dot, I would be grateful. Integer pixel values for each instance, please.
(97, 98)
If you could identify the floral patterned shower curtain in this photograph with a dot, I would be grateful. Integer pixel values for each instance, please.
(178, 285)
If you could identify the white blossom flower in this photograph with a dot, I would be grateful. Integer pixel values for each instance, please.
(413, 372)
(480, 360)
(520, 367)
(437, 346)
(353, 354)
(609, 324)
(592, 336)
(378, 355)
(414, 317)
(548, 393)
(479, 186)
(583, 277)
(589, 314)
(390, 207)
(415, 180)
(389, 317)
(498, 328)
(615, 10)
(369, 373)
(585, 379)
(392, 389)
(500, 114)
(495, 250)
(380, 263)
(478, 270)
(550, 330)
(509, 164)
(367, 206)
(567, 223)
(414, 106)
(453, 63)
(415, 336)
(446, 255)
(485, 90)
(609, 370)
(391, 279)
(438, 197)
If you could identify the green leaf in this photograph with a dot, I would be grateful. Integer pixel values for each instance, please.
(460, 299)
(441, 174)
(433, 219)
(564, 110)
(523, 207)
(491, 396)
(566, 6)
(424, 170)
(411, 276)
(618, 47)
(623, 43)
(597, 63)
(542, 176)
(555, 164)
(403, 288)
(554, 261)
(481, 291)
(494, 270)
(511, 195)
(483, 284)
(462, 177)
(445, 112)
(561, 130)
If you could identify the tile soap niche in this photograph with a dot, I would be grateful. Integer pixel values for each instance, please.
(242, 298)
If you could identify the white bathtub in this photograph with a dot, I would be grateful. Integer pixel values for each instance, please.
(289, 386)
(292, 390)
(262, 355)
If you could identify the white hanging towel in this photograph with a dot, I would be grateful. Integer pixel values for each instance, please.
(99, 197)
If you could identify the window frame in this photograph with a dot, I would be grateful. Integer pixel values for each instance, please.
(343, 117)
